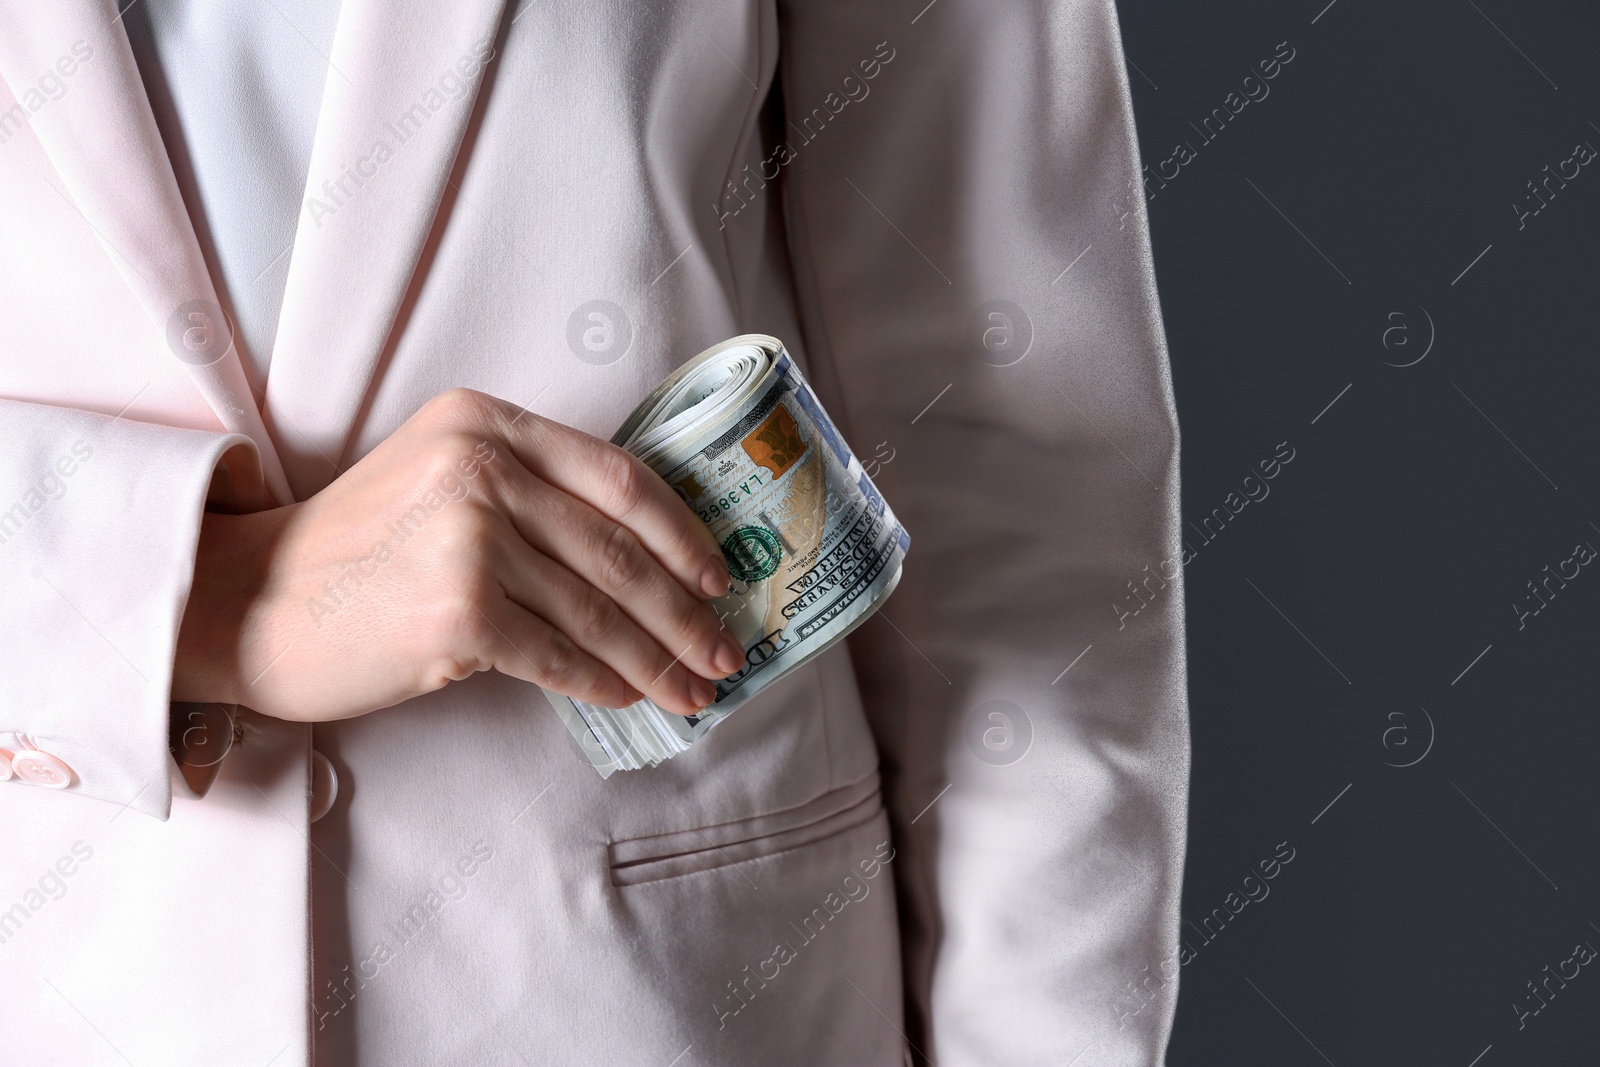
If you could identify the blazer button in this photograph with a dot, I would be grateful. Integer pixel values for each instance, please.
(324, 785)
(41, 768)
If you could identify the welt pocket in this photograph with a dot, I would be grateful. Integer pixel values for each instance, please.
(650, 859)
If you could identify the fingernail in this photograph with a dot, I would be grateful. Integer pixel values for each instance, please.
(714, 581)
(729, 656)
(700, 692)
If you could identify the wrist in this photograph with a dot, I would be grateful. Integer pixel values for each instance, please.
(232, 563)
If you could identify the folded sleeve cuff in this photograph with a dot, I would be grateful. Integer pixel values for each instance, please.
(99, 521)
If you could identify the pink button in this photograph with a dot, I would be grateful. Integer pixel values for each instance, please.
(41, 768)
(5, 765)
(324, 785)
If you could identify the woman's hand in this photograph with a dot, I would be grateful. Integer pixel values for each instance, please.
(478, 536)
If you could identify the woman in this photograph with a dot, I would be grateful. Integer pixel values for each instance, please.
(317, 316)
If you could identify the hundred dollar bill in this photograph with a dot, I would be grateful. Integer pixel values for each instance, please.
(812, 547)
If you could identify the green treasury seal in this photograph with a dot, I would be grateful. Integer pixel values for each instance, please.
(752, 553)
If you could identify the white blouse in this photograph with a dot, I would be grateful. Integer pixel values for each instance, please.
(236, 88)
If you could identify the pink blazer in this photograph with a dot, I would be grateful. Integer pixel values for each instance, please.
(961, 834)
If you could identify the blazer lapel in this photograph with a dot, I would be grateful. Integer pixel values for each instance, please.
(103, 142)
(401, 88)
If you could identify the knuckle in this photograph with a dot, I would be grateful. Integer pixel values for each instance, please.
(619, 557)
(558, 662)
(452, 445)
(464, 645)
(458, 406)
(452, 668)
(468, 627)
(458, 456)
(464, 538)
(622, 481)
(597, 619)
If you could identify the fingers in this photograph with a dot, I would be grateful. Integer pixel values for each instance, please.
(526, 646)
(592, 620)
(611, 559)
(598, 550)
(617, 485)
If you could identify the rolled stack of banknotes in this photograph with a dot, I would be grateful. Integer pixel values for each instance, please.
(812, 547)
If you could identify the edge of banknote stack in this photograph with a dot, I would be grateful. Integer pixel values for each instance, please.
(811, 558)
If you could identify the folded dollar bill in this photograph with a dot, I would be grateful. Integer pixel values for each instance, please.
(812, 546)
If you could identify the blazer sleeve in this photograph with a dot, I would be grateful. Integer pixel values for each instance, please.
(971, 256)
(99, 520)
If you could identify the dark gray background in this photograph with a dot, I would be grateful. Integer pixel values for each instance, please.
(1389, 553)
